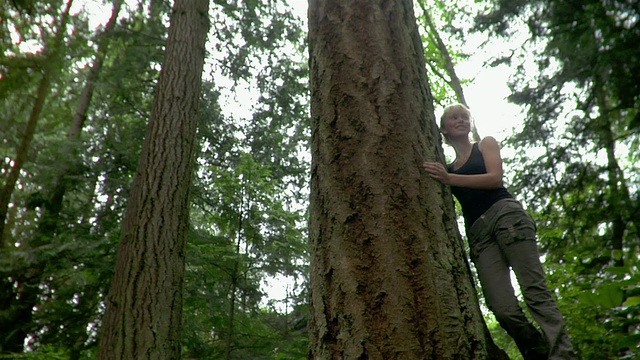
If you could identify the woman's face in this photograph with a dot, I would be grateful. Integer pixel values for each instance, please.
(456, 124)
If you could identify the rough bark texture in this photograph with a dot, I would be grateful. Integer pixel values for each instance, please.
(144, 308)
(389, 279)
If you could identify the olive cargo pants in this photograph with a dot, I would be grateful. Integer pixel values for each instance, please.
(505, 237)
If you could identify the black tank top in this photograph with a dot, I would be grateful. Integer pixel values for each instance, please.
(475, 202)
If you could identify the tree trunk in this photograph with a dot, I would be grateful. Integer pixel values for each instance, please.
(143, 319)
(86, 96)
(389, 279)
(16, 299)
(22, 154)
(619, 200)
(235, 275)
(53, 205)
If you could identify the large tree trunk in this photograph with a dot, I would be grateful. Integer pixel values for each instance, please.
(389, 279)
(143, 319)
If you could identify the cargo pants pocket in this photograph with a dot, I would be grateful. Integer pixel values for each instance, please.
(514, 227)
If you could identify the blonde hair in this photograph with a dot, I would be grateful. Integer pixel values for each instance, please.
(453, 108)
(458, 108)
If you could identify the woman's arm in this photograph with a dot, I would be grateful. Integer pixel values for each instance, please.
(491, 180)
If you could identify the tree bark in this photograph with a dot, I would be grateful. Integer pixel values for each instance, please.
(389, 277)
(143, 319)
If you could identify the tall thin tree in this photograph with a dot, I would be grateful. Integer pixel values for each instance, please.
(26, 288)
(143, 319)
(53, 52)
(16, 300)
(448, 71)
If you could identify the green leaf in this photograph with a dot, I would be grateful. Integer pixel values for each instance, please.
(610, 296)
(632, 301)
(618, 270)
(617, 254)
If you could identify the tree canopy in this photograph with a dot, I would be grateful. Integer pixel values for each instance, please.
(577, 156)
(77, 85)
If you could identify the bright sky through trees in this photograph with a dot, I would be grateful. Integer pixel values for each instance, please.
(486, 93)
(77, 100)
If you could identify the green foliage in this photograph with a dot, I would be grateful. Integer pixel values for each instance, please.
(44, 353)
(581, 181)
(249, 174)
(244, 231)
(503, 339)
(248, 218)
(601, 310)
(444, 26)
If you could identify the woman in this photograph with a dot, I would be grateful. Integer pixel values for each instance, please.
(502, 235)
